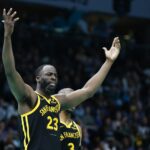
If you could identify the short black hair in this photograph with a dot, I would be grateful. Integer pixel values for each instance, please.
(38, 70)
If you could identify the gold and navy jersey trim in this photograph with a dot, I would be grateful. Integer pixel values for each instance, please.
(26, 132)
(78, 129)
(34, 109)
(66, 125)
(56, 101)
(70, 124)
(48, 100)
(80, 134)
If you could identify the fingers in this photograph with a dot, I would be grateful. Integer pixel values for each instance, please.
(4, 12)
(16, 19)
(116, 39)
(9, 12)
(9, 15)
(13, 14)
(117, 43)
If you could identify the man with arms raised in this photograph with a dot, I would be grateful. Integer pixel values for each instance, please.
(39, 111)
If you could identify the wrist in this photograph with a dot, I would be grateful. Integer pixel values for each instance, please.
(7, 36)
(110, 61)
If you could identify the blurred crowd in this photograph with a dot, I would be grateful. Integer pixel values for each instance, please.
(118, 116)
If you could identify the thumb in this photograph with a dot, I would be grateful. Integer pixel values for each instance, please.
(105, 49)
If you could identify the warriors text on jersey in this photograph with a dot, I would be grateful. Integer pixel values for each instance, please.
(40, 126)
(70, 136)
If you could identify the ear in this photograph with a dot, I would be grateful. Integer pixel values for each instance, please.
(38, 78)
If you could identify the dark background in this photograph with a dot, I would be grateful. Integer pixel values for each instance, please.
(118, 116)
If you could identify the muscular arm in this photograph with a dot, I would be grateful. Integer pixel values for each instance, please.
(75, 98)
(19, 89)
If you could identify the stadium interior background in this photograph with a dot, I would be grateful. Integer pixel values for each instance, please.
(118, 116)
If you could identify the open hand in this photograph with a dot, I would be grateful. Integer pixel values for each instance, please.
(114, 51)
(9, 21)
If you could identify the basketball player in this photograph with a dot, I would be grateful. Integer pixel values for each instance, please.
(70, 131)
(39, 110)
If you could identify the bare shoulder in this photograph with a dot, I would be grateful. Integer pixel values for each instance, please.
(60, 97)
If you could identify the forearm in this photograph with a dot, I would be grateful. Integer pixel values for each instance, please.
(19, 89)
(95, 82)
(7, 55)
(75, 98)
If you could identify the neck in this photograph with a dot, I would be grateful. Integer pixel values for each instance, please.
(65, 117)
(42, 92)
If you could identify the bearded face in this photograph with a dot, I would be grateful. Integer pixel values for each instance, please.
(48, 79)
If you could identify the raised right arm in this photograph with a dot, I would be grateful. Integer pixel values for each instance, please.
(20, 90)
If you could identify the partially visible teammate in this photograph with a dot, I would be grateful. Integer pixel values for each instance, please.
(70, 131)
(39, 111)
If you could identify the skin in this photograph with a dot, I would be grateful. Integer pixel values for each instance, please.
(24, 93)
(65, 116)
